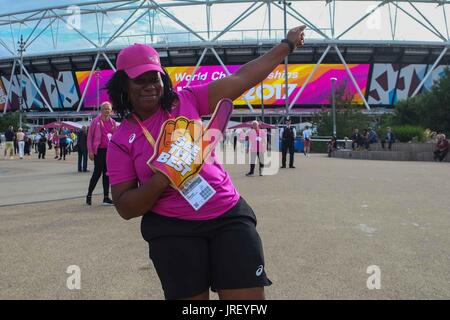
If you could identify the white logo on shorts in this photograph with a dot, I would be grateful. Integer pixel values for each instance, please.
(132, 137)
(260, 270)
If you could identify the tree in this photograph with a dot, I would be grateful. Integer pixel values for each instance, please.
(430, 109)
(12, 119)
(348, 114)
(346, 121)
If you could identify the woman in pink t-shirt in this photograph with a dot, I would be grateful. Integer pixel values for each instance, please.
(100, 132)
(257, 146)
(215, 246)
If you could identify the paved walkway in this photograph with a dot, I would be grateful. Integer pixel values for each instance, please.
(322, 224)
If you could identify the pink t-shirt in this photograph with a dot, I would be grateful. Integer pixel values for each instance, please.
(107, 131)
(129, 152)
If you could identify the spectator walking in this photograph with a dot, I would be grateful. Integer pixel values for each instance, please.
(257, 145)
(99, 135)
(36, 139)
(82, 149)
(20, 138)
(49, 140)
(28, 145)
(9, 142)
(16, 144)
(306, 140)
(63, 143)
(42, 144)
(55, 142)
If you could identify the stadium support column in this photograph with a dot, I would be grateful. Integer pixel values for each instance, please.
(109, 62)
(197, 66)
(37, 88)
(97, 75)
(351, 77)
(309, 77)
(8, 92)
(224, 67)
(262, 88)
(286, 61)
(88, 82)
(429, 72)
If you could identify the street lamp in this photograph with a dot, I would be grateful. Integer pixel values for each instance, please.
(262, 88)
(333, 81)
(21, 49)
(97, 75)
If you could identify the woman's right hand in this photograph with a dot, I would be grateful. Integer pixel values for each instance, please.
(91, 156)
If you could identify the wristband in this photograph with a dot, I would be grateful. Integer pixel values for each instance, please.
(290, 43)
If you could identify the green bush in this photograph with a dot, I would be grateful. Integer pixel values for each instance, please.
(407, 133)
(319, 147)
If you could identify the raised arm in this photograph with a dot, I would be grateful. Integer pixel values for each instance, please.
(254, 71)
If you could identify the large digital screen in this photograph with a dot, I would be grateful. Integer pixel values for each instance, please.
(317, 91)
(3, 96)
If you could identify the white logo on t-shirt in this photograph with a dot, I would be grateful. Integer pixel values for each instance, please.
(109, 136)
(260, 270)
(132, 137)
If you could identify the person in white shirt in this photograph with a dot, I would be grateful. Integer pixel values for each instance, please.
(306, 140)
(20, 136)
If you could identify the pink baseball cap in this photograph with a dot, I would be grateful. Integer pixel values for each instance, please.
(138, 59)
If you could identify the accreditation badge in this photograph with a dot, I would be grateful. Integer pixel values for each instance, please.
(197, 191)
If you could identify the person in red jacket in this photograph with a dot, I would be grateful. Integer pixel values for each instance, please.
(442, 147)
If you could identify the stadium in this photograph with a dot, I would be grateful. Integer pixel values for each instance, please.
(55, 61)
(289, 208)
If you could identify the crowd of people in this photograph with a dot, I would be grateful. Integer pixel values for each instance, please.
(363, 141)
(368, 137)
(90, 143)
(20, 143)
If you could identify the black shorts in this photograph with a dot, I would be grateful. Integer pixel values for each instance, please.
(192, 256)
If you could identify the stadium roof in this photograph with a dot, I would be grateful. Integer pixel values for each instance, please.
(77, 35)
(101, 25)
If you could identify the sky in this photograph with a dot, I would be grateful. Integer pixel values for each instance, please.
(377, 27)
(10, 6)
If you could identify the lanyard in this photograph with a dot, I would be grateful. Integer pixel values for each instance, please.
(147, 134)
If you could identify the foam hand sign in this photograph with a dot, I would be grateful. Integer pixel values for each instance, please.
(184, 145)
